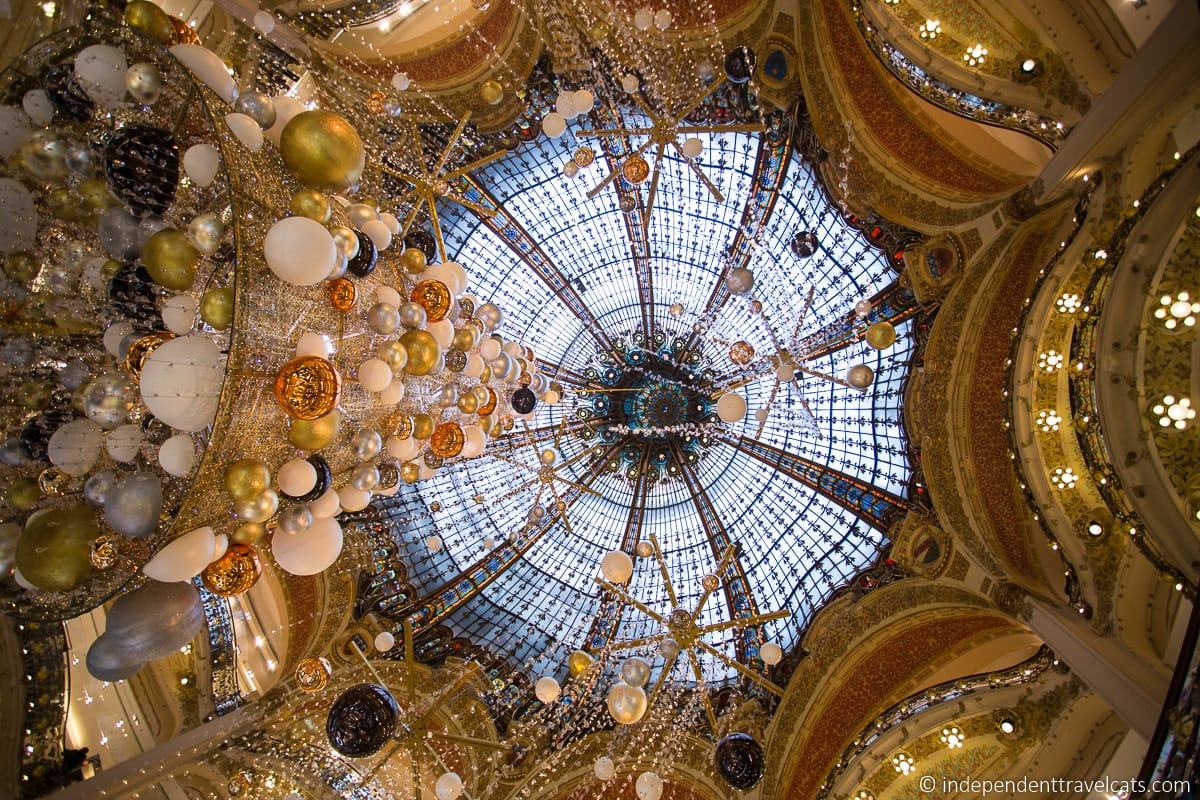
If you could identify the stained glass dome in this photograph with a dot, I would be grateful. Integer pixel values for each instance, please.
(644, 340)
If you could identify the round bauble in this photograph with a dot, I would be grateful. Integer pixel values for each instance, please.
(177, 455)
(201, 162)
(312, 551)
(54, 551)
(546, 689)
(216, 308)
(247, 131)
(361, 720)
(740, 761)
(300, 251)
(323, 150)
(881, 335)
(181, 382)
(648, 786)
(626, 704)
(171, 258)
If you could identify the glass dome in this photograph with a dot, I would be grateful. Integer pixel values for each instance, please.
(806, 494)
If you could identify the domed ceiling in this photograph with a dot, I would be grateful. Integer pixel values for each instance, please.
(643, 341)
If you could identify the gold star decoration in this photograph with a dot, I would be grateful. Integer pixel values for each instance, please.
(681, 625)
(664, 131)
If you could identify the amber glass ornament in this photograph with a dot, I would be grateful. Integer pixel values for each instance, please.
(233, 573)
(635, 169)
(141, 349)
(491, 92)
(342, 294)
(490, 405)
(402, 426)
(105, 551)
(578, 662)
(584, 156)
(434, 297)
(313, 674)
(741, 352)
(447, 440)
(307, 387)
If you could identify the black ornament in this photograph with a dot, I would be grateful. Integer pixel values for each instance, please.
(423, 241)
(523, 400)
(155, 430)
(804, 244)
(740, 64)
(739, 759)
(132, 292)
(66, 94)
(324, 480)
(142, 167)
(363, 263)
(361, 720)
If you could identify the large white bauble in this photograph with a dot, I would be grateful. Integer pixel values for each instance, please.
(14, 128)
(474, 367)
(296, 478)
(124, 442)
(389, 219)
(113, 335)
(442, 332)
(635, 671)
(554, 124)
(327, 505)
(771, 653)
(450, 273)
(201, 163)
(649, 786)
(731, 407)
(300, 251)
(374, 374)
(221, 546)
(617, 566)
(860, 376)
(662, 19)
(286, 107)
(100, 70)
(177, 455)
(18, 217)
(184, 558)
(181, 382)
(393, 393)
(75, 446)
(475, 441)
(584, 101)
(490, 348)
(388, 294)
(448, 787)
(547, 689)
(208, 69)
(352, 499)
(384, 641)
(38, 106)
(403, 449)
(179, 313)
(314, 344)
(380, 234)
(434, 543)
(626, 704)
(310, 552)
(401, 81)
(246, 130)
(604, 768)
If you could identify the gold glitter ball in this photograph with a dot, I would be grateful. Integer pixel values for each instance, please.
(106, 549)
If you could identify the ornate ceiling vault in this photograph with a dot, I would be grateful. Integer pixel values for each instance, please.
(492, 399)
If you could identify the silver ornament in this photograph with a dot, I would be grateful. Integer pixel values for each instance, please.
(97, 487)
(366, 444)
(108, 399)
(120, 235)
(205, 232)
(360, 214)
(740, 281)
(448, 395)
(133, 505)
(295, 519)
(669, 648)
(258, 107)
(383, 318)
(364, 477)
(412, 315)
(346, 241)
(80, 161)
(340, 265)
(144, 83)
(489, 314)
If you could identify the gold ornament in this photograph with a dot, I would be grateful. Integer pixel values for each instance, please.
(413, 260)
(342, 294)
(402, 426)
(741, 352)
(314, 434)
(584, 156)
(233, 573)
(54, 552)
(346, 240)
(881, 335)
(182, 33)
(150, 20)
(312, 204)
(492, 92)
(423, 426)
(323, 150)
(423, 352)
(490, 404)
(95, 194)
(447, 440)
(434, 297)
(259, 508)
(375, 101)
(578, 662)
(24, 494)
(141, 349)
(468, 403)
(635, 169)
(239, 784)
(53, 481)
(393, 354)
(105, 551)
(247, 478)
(249, 533)
(216, 308)
(171, 258)
(313, 674)
(410, 472)
(307, 387)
